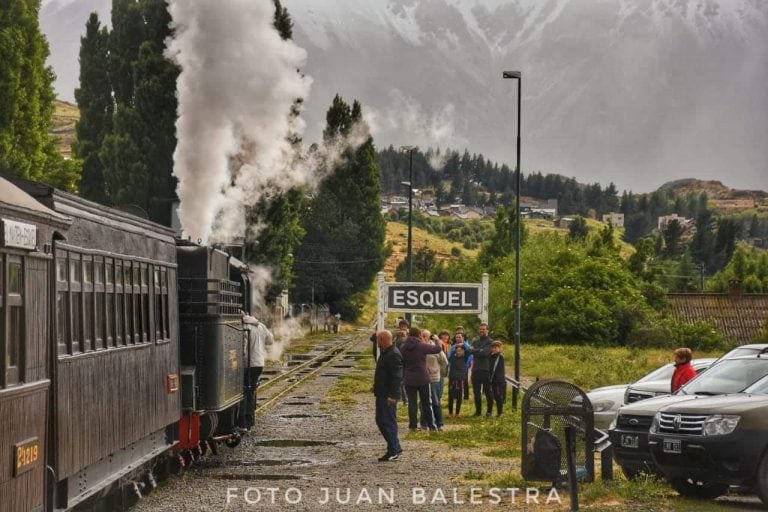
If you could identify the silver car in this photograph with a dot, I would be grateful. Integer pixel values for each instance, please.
(607, 400)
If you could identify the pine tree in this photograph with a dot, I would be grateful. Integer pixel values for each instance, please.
(280, 214)
(672, 234)
(155, 105)
(344, 243)
(128, 32)
(282, 21)
(504, 239)
(94, 98)
(578, 230)
(26, 105)
(127, 95)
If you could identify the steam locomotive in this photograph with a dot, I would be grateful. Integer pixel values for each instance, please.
(121, 348)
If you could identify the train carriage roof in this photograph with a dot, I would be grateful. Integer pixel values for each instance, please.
(64, 205)
(14, 198)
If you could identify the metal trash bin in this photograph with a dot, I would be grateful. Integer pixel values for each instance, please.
(549, 406)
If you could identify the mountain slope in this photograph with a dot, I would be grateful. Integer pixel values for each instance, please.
(632, 91)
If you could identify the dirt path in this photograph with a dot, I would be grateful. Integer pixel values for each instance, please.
(310, 455)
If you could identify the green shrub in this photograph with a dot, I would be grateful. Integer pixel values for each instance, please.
(698, 336)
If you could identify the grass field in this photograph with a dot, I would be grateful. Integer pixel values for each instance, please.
(499, 439)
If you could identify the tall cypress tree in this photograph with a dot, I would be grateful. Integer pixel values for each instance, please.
(26, 99)
(282, 21)
(344, 245)
(127, 97)
(128, 32)
(156, 105)
(94, 98)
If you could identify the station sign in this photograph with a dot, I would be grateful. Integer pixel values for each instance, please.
(440, 298)
(453, 298)
(19, 234)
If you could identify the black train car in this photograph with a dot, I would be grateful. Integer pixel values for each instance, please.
(27, 232)
(115, 348)
(213, 289)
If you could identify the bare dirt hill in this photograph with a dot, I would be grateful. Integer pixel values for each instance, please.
(65, 115)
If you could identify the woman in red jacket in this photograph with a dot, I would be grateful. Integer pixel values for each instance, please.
(684, 371)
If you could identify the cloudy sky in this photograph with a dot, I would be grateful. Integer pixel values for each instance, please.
(638, 92)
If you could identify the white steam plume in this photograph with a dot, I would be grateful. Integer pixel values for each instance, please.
(237, 84)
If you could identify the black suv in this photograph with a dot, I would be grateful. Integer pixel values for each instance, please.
(629, 434)
(705, 445)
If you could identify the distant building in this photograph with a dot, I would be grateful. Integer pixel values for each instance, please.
(616, 219)
(666, 219)
(545, 208)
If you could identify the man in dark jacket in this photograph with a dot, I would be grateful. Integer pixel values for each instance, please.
(400, 336)
(416, 377)
(386, 388)
(481, 370)
(498, 377)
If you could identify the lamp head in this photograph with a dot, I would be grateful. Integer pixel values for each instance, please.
(512, 74)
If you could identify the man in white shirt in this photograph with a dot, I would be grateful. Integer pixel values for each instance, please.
(258, 337)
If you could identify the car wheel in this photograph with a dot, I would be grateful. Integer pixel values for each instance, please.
(701, 490)
(761, 482)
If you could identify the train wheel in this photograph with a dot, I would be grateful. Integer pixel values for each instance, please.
(234, 440)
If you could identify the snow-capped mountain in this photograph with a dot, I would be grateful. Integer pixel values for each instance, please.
(632, 91)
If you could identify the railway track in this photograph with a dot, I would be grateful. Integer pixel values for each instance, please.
(270, 393)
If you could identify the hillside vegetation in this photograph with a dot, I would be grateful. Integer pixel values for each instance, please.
(65, 115)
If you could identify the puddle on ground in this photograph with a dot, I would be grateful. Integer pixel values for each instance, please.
(304, 415)
(294, 443)
(213, 464)
(343, 366)
(228, 476)
(299, 403)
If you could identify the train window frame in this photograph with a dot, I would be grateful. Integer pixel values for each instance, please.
(2, 317)
(63, 340)
(166, 315)
(129, 332)
(13, 304)
(99, 303)
(110, 339)
(160, 298)
(119, 311)
(88, 303)
(75, 303)
(144, 317)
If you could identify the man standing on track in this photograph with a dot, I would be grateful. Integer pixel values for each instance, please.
(386, 388)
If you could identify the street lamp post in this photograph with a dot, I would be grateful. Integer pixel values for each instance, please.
(410, 220)
(517, 75)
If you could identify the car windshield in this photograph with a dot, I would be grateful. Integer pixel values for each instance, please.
(758, 388)
(729, 376)
(742, 351)
(663, 373)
